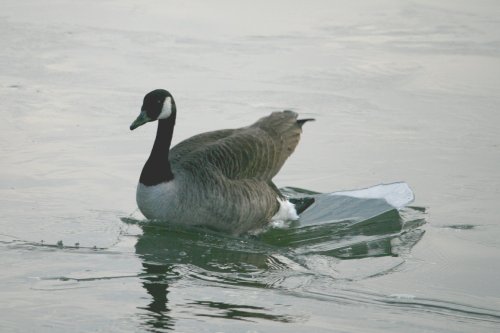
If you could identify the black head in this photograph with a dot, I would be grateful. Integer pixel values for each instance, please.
(158, 104)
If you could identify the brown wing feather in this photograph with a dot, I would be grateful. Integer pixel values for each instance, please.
(257, 151)
(188, 146)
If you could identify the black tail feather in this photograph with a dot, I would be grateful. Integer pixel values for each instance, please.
(301, 204)
(303, 121)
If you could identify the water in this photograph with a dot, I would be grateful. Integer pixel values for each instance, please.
(402, 91)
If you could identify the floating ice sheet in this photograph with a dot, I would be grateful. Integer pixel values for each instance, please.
(351, 206)
(397, 194)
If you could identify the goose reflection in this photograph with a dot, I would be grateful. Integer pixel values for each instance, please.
(170, 253)
(155, 281)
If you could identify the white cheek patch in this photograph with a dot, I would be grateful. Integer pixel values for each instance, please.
(166, 111)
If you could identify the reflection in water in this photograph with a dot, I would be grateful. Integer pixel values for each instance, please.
(156, 283)
(334, 226)
(207, 256)
(240, 312)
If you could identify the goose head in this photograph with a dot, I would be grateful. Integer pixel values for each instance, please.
(157, 105)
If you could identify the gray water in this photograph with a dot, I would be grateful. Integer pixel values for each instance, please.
(401, 91)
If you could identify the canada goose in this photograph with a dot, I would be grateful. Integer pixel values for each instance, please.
(221, 179)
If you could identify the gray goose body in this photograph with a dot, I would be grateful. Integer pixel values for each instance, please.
(220, 179)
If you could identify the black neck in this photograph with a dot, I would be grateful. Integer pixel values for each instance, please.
(157, 168)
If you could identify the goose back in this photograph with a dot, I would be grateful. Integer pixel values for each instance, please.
(254, 152)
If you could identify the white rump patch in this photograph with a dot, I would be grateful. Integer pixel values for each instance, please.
(286, 212)
(166, 111)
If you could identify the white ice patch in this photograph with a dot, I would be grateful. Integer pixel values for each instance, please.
(286, 212)
(397, 195)
(166, 111)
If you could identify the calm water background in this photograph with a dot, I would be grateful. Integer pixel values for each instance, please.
(401, 90)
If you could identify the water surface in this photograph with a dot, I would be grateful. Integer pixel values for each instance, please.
(401, 91)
